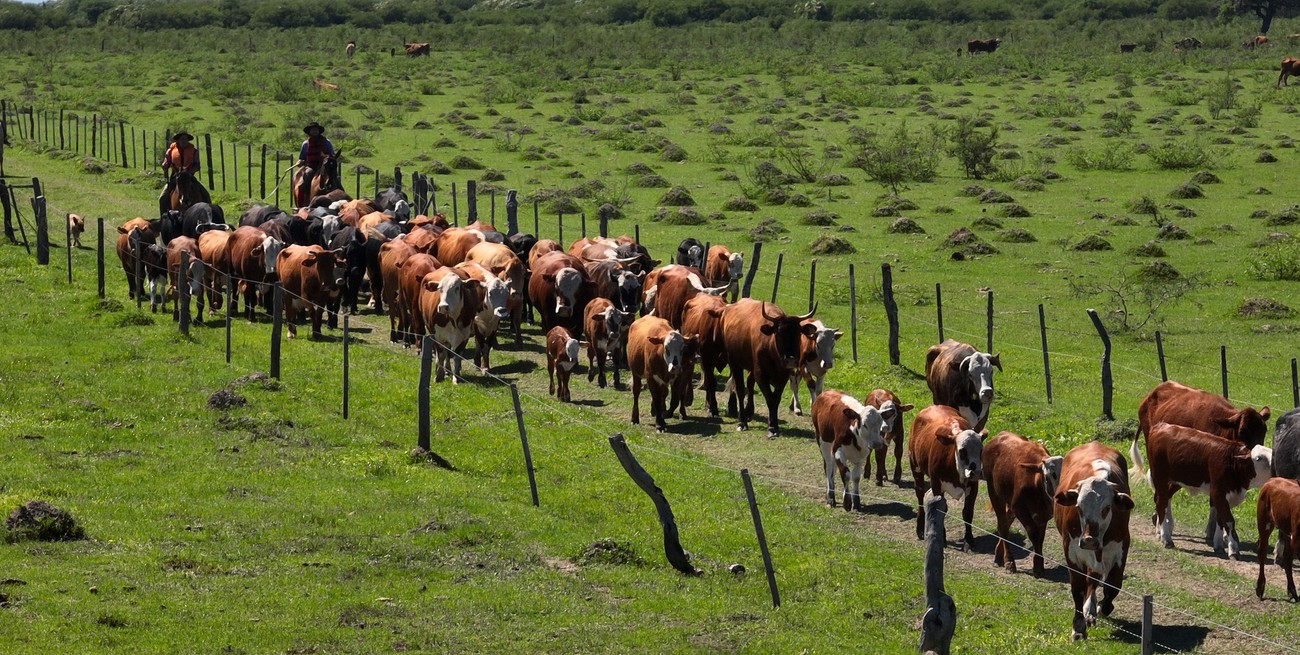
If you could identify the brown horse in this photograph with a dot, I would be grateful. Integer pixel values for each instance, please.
(187, 191)
(309, 183)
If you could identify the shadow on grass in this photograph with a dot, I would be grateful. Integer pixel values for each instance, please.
(1180, 638)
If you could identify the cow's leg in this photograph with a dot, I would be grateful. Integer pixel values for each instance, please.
(1114, 580)
(659, 403)
(733, 390)
(1261, 547)
(1227, 527)
(614, 356)
(709, 382)
(855, 476)
(968, 515)
(920, 488)
(880, 465)
(1036, 532)
(317, 317)
(636, 399)
(1211, 526)
(898, 459)
(1288, 563)
(550, 374)
(1164, 516)
(455, 357)
(828, 467)
(794, 397)
(335, 306)
(1078, 590)
(1001, 552)
(592, 354)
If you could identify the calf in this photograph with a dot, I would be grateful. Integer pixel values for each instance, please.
(882, 400)
(816, 357)
(660, 358)
(561, 357)
(605, 327)
(847, 431)
(1092, 512)
(311, 278)
(76, 226)
(1279, 508)
(194, 273)
(945, 449)
(1021, 479)
(448, 301)
(1201, 462)
(962, 378)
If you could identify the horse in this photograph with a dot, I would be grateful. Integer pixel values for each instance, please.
(323, 181)
(187, 192)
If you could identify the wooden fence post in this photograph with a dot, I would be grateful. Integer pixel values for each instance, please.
(812, 285)
(121, 128)
(762, 538)
(376, 183)
(853, 312)
(891, 311)
(1160, 353)
(99, 257)
(62, 145)
(990, 323)
(938, 307)
(1223, 369)
(277, 303)
(183, 295)
(207, 146)
(234, 166)
(523, 440)
(584, 224)
(42, 231)
(537, 231)
(455, 209)
(261, 190)
(230, 310)
(1147, 645)
(1047, 367)
(636, 233)
(471, 201)
(346, 386)
(1107, 383)
(603, 218)
(1295, 384)
(776, 281)
(248, 152)
(221, 157)
(8, 209)
(753, 269)
(492, 198)
(94, 135)
(512, 212)
(672, 547)
(397, 179)
(426, 367)
(559, 228)
(940, 618)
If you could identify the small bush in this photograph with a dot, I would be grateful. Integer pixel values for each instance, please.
(767, 230)
(1092, 243)
(1184, 154)
(1016, 235)
(830, 244)
(684, 216)
(740, 204)
(1149, 249)
(995, 196)
(609, 552)
(677, 196)
(1119, 158)
(463, 162)
(40, 521)
(905, 226)
(1277, 262)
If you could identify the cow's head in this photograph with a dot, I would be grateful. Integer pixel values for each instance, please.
(613, 321)
(1050, 469)
(891, 413)
(787, 333)
(451, 293)
(678, 351)
(629, 291)
(271, 248)
(867, 425)
(822, 354)
(979, 369)
(1260, 464)
(195, 272)
(968, 451)
(567, 281)
(497, 297)
(690, 252)
(1247, 426)
(735, 266)
(1098, 500)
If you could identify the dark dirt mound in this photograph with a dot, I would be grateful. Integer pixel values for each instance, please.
(1263, 308)
(905, 226)
(608, 551)
(1171, 232)
(1091, 244)
(829, 244)
(960, 237)
(1149, 249)
(41, 521)
(1017, 235)
(677, 197)
(740, 204)
(1157, 272)
(995, 196)
(225, 399)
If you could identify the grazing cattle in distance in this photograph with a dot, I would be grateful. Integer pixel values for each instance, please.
(411, 326)
(195, 273)
(1092, 512)
(1127, 47)
(816, 358)
(76, 226)
(1021, 478)
(724, 267)
(212, 250)
(847, 432)
(764, 345)
(1259, 41)
(962, 378)
(659, 358)
(702, 319)
(560, 290)
(976, 45)
(310, 276)
(945, 449)
(606, 329)
(1289, 67)
(351, 49)
(1279, 509)
(496, 299)
(252, 255)
(690, 252)
(417, 49)
(616, 282)
(322, 85)
(1200, 462)
(561, 357)
(448, 303)
(1187, 43)
(882, 400)
(352, 244)
(1286, 446)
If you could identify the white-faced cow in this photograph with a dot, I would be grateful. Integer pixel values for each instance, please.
(885, 401)
(762, 345)
(1279, 509)
(962, 378)
(606, 330)
(449, 300)
(561, 358)
(690, 252)
(496, 301)
(945, 450)
(194, 274)
(1022, 479)
(847, 432)
(724, 267)
(816, 358)
(1182, 457)
(658, 358)
(252, 255)
(1092, 512)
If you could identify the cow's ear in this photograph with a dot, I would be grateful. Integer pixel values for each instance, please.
(1264, 412)
(549, 277)
(121, 230)
(1124, 500)
(309, 260)
(984, 435)
(258, 250)
(767, 328)
(658, 341)
(1031, 466)
(1070, 498)
(852, 415)
(809, 330)
(715, 312)
(838, 334)
(945, 439)
(906, 408)
(996, 360)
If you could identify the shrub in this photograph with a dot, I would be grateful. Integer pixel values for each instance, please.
(830, 244)
(899, 159)
(1276, 262)
(1187, 190)
(1182, 154)
(767, 230)
(1118, 158)
(1016, 235)
(973, 148)
(677, 196)
(41, 521)
(819, 217)
(1263, 308)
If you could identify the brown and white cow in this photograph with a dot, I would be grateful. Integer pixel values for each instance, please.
(505, 264)
(540, 249)
(212, 250)
(606, 330)
(1289, 67)
(1279, 509)
(762, 347)
(417, 49)
(1259, 41)
(982, 45)
(1092, 512)
(76, 226)
(944, 449)
(411, 326)
(392, 254)
(816, 358)
(561, 358)
(496, 299)
(312, 277)
(669, 288)
(1021, 478)
(962, 378)
(195, 273)
(847, 432)
(252, 255)
(558, 287)
(1183, 457)
(724, 267)
(617, 282)
(884, 400)
(702, 319)
(455, 243)
(659, 358)
(449, 300)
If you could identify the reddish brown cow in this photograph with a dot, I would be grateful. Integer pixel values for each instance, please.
(194, 274)
(764, 344)
(558, 287)
(391, 255)
(702, 319)
(448, 302)
(1092, 512)
(212, 250)
(1022, 479)
(494, 309)
(455, 243)
(76, 226)
(660, 358)
(126, 251)
(423, 239)
(540, 249)
(1289, 67)
(417, 50)
(1201, 462)
(312, 278)
(1279, 509)
(944, 449)
(846, 431)
(882, 400)
(1259, 41)
(410, 278)
(673, 286)
(606, 330)
(505, 264)
(962, 378)
(723, 267)
(252, 255)
(616, 282)
(561, 357)
(369, 224)
(351, 212)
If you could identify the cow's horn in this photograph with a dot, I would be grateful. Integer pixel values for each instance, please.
(769, 317)
(809, 314)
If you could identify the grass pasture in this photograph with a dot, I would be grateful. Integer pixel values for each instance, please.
(279, 527)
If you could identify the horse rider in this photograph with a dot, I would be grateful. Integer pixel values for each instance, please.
(181, 157)
(315, 150)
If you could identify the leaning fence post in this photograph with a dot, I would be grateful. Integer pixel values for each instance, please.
(1106, 381)
(853, 312)
(42, 231)
(990, 323)
(277, 303)
(776, 281)
(559, 228)
(426, 366)
(762, 538)
(1147, 644)
(672, 547)
(345, 367)
(1160, 354)
(812, 285)
(537, 232)
(891, 310)
(940, 618)
(512, 212)
(121, 140)
(183, 294)
(1047, 368)
(207, 145)
(471, 201)
(99, 257)
(523, 440)
(455, 209)
(492, 198)
(938, 307)
(753, 268)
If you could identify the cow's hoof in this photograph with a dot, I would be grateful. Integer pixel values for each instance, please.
(772, 433)
(1011, 566)
(968, 547)
(798, 412)
(1169, 544)
(1292, 599)
(880, 482)
(1078, 636)
(659, 429)
(1107, 607)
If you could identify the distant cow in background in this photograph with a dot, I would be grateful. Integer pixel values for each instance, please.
(976, 45)
(1127, 47)
(76, 226)
(351, 49)
(1258, 41)
(417, 50)
(1289, 67)
(1187, 43)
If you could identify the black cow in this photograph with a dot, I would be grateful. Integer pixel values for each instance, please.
(976, 45)
(690, 252)
(387, 199)
(1286, 446)
(258, 214)
(352, 244)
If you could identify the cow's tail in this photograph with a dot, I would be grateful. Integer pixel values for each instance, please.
(1135, 454)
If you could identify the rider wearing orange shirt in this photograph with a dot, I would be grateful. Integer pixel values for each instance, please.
(181, 157)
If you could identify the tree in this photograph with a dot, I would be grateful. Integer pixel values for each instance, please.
(973, 148)
(898, 159)
(1265, 9)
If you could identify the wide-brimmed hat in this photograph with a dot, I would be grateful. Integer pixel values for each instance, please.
(314, 124)
(184, 134)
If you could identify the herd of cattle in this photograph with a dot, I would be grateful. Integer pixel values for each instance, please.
(453, 283)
